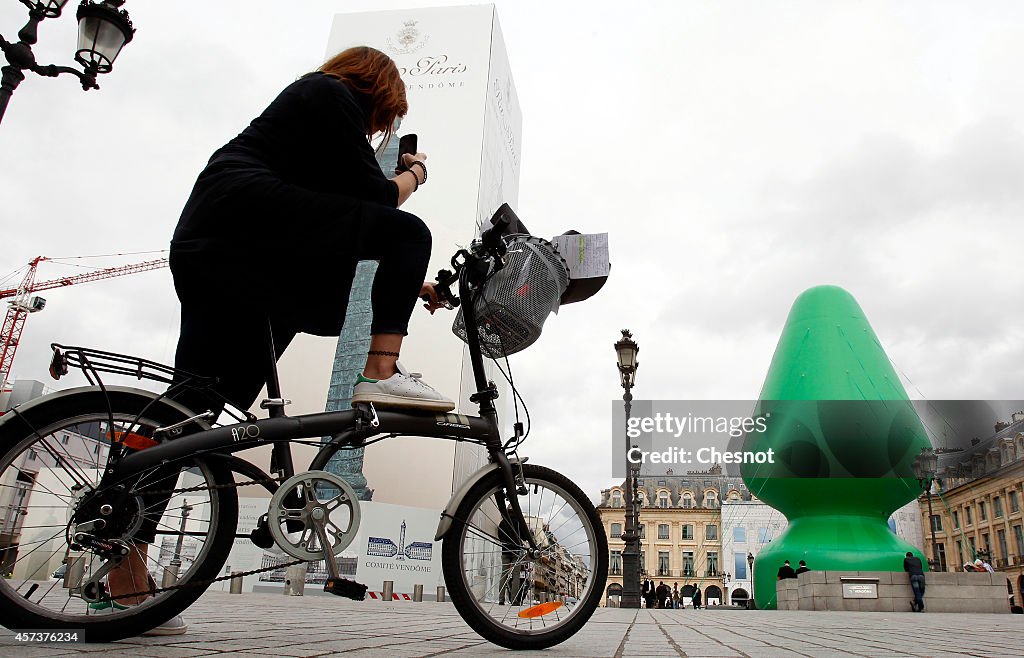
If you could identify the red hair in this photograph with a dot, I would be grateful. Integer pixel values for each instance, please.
(374, 75)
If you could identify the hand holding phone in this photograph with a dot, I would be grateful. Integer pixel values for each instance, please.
(407, 144)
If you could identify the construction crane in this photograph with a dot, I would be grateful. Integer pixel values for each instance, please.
(25, 301)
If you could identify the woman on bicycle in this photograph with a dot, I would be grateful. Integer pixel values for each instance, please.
(268, 244)
(277, 221)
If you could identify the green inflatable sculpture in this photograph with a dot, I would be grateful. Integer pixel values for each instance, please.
(844, 436)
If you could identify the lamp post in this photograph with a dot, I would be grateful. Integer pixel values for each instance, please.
(173, 569)
(750, 571)
(925, 466)
(103, 30)
(626, 351)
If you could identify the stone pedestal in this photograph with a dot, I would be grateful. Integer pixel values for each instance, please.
(851, 591)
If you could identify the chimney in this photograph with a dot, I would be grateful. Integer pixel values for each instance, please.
(1001, 425)
(1017, 416)
(975, 441)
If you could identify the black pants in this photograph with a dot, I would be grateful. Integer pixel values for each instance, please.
(299, 283)
(226, 336)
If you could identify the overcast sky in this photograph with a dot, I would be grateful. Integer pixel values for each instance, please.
(736, 152)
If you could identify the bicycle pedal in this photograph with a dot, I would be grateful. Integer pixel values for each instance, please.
(347, 588)
(260, 535)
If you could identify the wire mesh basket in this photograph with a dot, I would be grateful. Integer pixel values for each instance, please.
(516, 301)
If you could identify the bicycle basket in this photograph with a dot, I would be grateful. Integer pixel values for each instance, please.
(516, 300)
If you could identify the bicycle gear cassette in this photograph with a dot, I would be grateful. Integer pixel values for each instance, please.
(308, 499)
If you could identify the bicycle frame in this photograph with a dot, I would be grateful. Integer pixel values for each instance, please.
(349, 428)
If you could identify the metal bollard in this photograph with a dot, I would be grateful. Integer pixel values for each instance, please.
(389, 590)
(295, 580)
(417, 593)
(170, 575)
(440, 593)
(236, 582)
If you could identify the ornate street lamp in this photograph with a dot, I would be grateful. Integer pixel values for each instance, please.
(750, 572)
(626, 350)
(103, 30)
(925, 466)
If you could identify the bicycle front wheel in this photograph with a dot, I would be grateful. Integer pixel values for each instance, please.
(177, 522)
(510, 596)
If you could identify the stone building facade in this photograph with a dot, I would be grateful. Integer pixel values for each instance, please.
(976, 505)
(681, 529)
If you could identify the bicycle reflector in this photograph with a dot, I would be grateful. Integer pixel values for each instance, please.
(540, 610)
(132, 440)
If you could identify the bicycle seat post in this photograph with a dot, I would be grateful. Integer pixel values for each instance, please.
(274, 403)
(281, 457)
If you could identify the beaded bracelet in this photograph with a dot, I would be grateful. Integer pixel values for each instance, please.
(422, 166)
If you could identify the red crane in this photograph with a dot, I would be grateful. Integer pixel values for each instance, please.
(26, 302)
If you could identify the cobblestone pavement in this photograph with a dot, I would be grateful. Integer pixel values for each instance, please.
(273, 625)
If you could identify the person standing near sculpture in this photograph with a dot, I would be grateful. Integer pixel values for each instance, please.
(912, 565)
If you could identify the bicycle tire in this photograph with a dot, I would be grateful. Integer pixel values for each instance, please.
(79, 406)
(469, 601)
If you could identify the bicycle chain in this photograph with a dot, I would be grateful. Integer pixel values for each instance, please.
(207, 583)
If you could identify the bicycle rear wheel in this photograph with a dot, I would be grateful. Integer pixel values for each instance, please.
(512, 598)
(52, 454)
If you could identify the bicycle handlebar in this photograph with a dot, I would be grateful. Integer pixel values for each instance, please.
(488, 248)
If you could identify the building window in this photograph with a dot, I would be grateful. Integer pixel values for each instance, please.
(687, 531)
(643, 531)
(940, 550)
(739, 534)
(663, 563)
(997, 507)
(712, 564)
(936, 523)
(711, 532)
(764, 535)
(615, 567)
(710, 500)
(982, 512)
(687, 501)
(959, 552)
(967, 515)
(688, 563)
(986, 543)
(662, 531)
(33, 455)
(739, 567)
(1014, 503)
(643, 560)
(1018, 534)
(663, 499)
(616, 499)
(616, 530)
(1001, 538)
(956, 519)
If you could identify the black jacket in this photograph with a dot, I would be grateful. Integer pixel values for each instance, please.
(279, 213)
(786, 571)
(913, 566)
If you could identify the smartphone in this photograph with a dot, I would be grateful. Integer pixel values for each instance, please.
(407, 144)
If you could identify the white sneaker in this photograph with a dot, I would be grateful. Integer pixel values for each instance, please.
(403, 389)
(173, 626)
